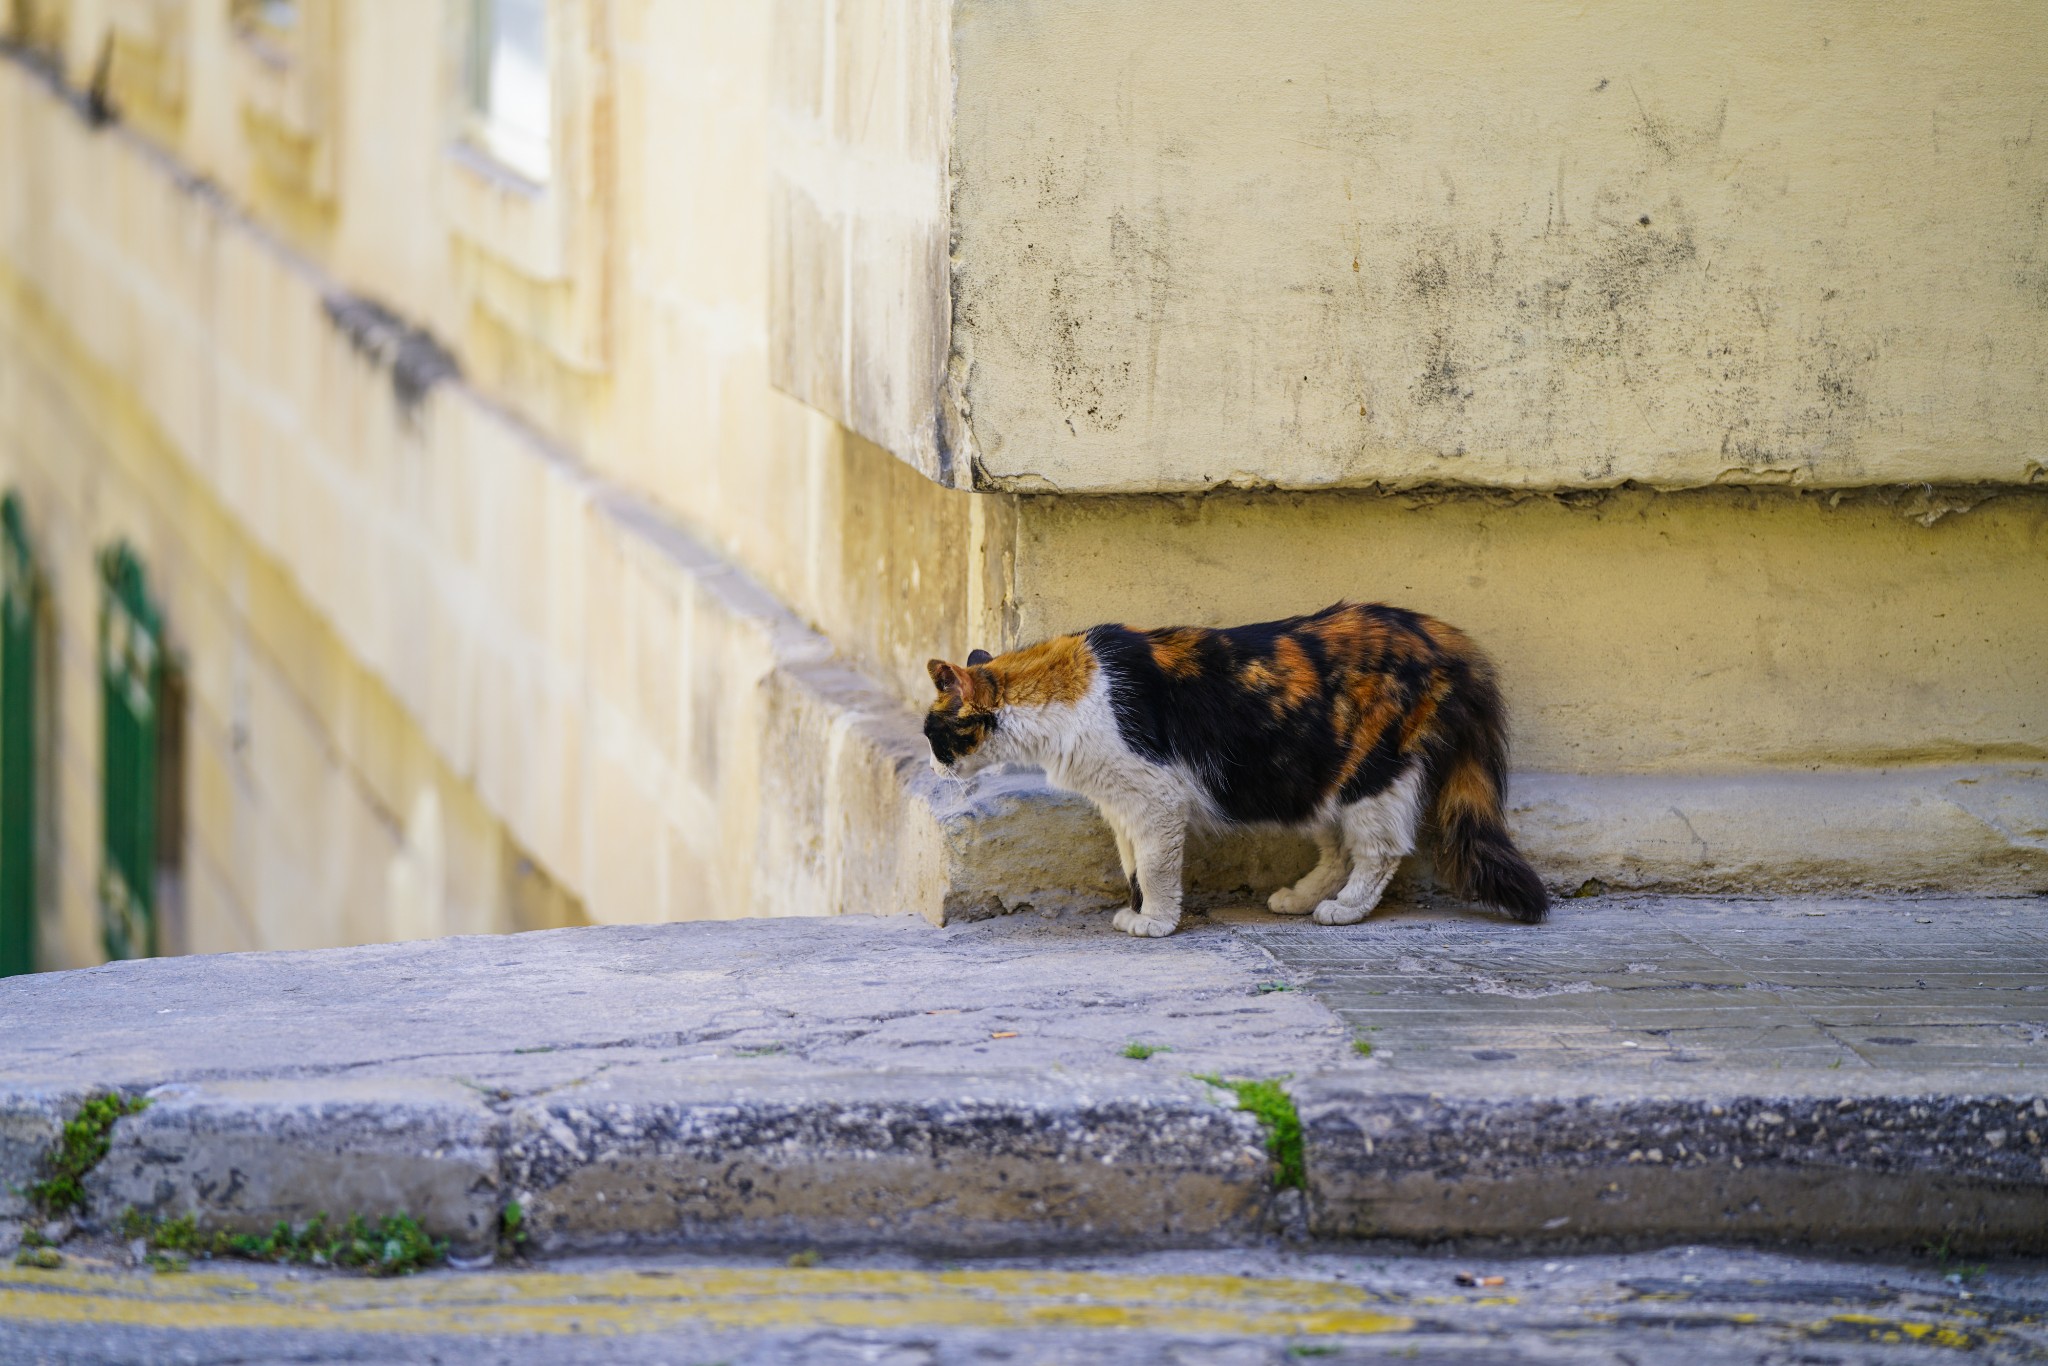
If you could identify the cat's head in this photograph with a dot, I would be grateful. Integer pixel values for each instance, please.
(962, 718)
(1009, 708)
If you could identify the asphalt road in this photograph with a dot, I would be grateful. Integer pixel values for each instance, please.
(1694, 1306)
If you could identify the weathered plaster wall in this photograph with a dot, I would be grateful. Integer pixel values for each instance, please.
(1200, 243)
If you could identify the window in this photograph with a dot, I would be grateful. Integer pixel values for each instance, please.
(510, 103)
(19, 590)
(273, 16)
(141, 754)
(284, 66)
(527, 190)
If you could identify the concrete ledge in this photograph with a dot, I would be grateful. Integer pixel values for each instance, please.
(1981, 830)
(243, 1156)
(969, 1164)
(1899, 1171)
(1978, 829)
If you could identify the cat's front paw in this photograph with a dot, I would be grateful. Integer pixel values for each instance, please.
(1287, 901)
(1143, 926)
(1335, 912)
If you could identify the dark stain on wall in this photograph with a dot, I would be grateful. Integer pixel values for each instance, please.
(417, 361)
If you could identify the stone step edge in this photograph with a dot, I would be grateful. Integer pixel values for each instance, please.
(1018, 1164)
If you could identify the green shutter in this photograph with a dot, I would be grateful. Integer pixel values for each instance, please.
(18, 593)
(131, 686)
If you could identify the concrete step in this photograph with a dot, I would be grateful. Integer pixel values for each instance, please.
(1843, 1074)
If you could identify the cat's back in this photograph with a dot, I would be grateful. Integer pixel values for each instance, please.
(1343, 636)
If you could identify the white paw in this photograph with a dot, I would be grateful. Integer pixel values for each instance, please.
(1287, 901)
(1337, 913)
(1143, 926)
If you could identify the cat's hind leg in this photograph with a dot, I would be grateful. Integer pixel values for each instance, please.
(1319, 882)
(1378, 832)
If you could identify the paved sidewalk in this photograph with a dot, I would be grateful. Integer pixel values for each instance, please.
(1845, 1074)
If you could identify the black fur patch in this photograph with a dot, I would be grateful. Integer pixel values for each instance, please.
(952, 735)
(1258, 761)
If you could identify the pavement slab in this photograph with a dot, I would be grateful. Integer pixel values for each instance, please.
(1639, 1070)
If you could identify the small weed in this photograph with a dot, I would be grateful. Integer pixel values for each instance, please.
(544, 1048)
(764, 1051)
(1312, 1349)
(512, 1228)
(45, 1258)
(499, 1093)
(33, 1237)
(1362, 1047)
(1142, 1051)
(1952, 1270)
(179, 1235)
(803, 1261)
(1268, 988)
(1269, 1102)
(85, 1141)
(168, 1263)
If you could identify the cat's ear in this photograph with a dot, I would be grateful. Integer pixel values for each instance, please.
(975, 657)
(971, 685)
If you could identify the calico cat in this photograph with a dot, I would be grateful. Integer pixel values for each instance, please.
(1351, 724)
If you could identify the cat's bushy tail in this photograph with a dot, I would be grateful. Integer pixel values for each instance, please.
(1474, 852)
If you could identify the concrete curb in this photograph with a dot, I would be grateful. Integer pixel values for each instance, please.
(999, 1168)
(995, 1168)
(986, 1169)
(242, 1157)
(1849, 1171)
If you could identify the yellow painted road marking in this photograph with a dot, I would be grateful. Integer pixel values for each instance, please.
(717, 1298)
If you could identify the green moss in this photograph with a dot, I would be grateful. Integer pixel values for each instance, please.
(84, 1143)
(395, 1245)
(1269, 1102)
(1142, 1051)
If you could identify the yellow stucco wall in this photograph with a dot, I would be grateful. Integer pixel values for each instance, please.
(1202, 243)
(1636, 632)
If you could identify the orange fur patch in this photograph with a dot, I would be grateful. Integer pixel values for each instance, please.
(1177, 652)
(1467, 788)
(1057, 670)
(1424, 710)
(1296, 671)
